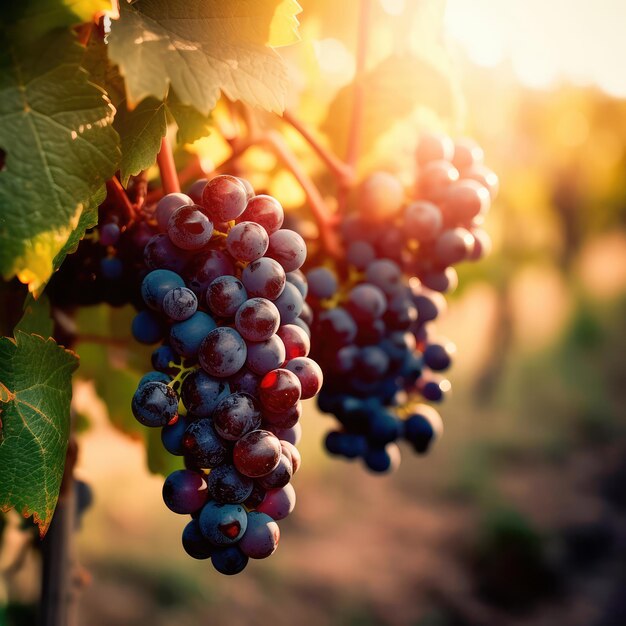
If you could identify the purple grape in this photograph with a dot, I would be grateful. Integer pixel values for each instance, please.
(187, 336)
(264, 210)
(161, 253)
(201, 393)
(155, 404)
(247, 241)
(257, 453)
(223, 352)
(366, 302)
(167, 205)
(185, 491)
(195, 544)
(279, 476)
(298, 279)
(203, 270)
(228, 486)
(264, 278)
(223, 524)
(236, 415)
(224, 198)
(156, 285)
(180, 304)
(230, 560)
(264, 356)
(202, 445)
(423, 221)
(289, 304)
(261, 537)
(225, 295)
(279, 390)
(257, 319)
(278, 503)
(109, 234)
(189, 228)
(309, 374)
(296, 341)
(288, 248)
(322, 283)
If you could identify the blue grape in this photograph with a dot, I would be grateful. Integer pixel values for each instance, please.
(186, 337)
(180, 304)
(382, 460)
(366, 302)
(223, 524)
(323, 283)
(421, 429)
(195, 544)
(112, 268)
(360, 254)
(162, 357)
(185, 491)
(172, 436)
(228, 486)
(230, 560)
(437, 357)
(289, 303)
(236, 415)
(109, 234)
(147, 327)
(202, 445)
(156, 284)
(154, 376)
(298, 279)
(201, 393)
(384, 274)
(155, 404)
(161, 253)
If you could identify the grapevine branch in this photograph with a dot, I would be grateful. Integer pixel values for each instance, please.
(114, 188)
(167, 168)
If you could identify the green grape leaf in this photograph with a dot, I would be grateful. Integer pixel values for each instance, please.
(59, 146)
(141, 131)
(201, 47)
(36, 319)
(35, 395)
(192, 124)
(160, 461)
(393, 90)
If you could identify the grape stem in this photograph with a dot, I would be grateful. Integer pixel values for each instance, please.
(114, 188)
(325, 221)
(342, 171)
(167, 168)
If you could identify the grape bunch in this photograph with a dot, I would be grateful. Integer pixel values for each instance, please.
(224, 295)
(373, 309)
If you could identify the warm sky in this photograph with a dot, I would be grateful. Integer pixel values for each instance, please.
(545, 41)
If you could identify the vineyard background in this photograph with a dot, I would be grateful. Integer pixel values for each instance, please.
(516, 517)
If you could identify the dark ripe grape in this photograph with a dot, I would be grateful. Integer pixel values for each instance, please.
(383, 460)
(381, 196)
(264, 210)
(383, 428)
(288, 248)
(223, 352)
(337, 326)
(202, 445)
(261, 537)
(278, 503)
(298, 279)
(422, 428)
(434, 390)
(257, 319)
(248, 187)
(434, 147)
(465, 200)
(293, 454)
(264, 278)
(289, 304)
(205, 268)
(295, 340)
(349, 445)
(392, 245)
(155, 404)
(371, 364)
(162, 357)
(111, 268)
(180, 304)
(161, 253)
(284, 419)
(438, 357)
(453, 246)
(360, 254)
(256, 497)
(423, 220)
(228, 486)
(366, 302)
(279, 390)
(189, 228)
(466, 154)
(147, 327)
(485, 176)
(322, 283)
(185, 491)
(152, 377)
(292, 435)
(186, 337)
(109, 234)
(345, 359)
(167, 205)
(223, 524)
(401, 312)
(225, 295)
(264, 356)
(256, 453)
(236, 415)
(354, 228)
(398, 346)
(384, 274)
(435, 179)
(429, 305)
(247, 241)
(445, 281)
(172, 436)
(229, 561)
(279, 476)
(224, 198)
(482, 244)
(196, 189)
(201, 394)
(156, 284)
(195, 544)
(309, 374)
(245, 381)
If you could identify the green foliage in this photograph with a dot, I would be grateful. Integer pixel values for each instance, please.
(36, 319)
(55, 127)
(35, 394)
(200, 48)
